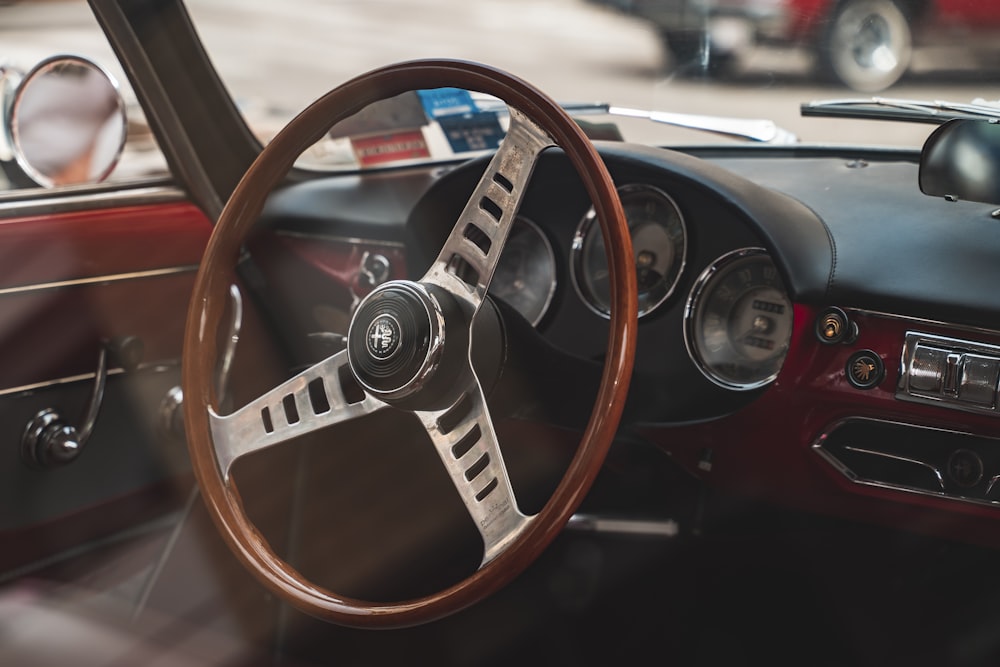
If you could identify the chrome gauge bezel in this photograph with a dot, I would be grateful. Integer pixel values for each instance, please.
(525, 223)
(589, 226)
(703, 287)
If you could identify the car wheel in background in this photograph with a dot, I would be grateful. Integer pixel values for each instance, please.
(868, 44)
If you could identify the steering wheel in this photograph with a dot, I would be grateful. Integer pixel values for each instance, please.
(408, 346)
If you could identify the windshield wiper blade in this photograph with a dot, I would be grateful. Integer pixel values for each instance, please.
(752, 129)
(892, 108)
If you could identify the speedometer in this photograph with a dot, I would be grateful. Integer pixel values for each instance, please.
(659, 242)
(738, 320)
(525, 276)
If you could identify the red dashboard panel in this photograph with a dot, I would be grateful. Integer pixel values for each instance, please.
(767, 449)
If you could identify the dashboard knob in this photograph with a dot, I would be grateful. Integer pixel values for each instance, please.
(833, 326)
(49, 441)
(865, 369)
(60, 444)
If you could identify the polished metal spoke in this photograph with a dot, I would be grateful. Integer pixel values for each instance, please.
(463, 433)
(311, 400)
(464, 438)
(469, 257)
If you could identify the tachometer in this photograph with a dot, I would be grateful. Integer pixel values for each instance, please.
(525, 276)
(659, 241)
(738, 320)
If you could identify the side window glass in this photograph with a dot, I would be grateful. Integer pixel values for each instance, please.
(67, 118)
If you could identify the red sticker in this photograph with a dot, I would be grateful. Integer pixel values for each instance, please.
(383, 148)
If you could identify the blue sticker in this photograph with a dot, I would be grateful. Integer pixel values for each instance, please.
(440, 102)
(472, 131)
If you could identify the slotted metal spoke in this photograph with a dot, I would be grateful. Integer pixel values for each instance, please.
(320, 396)
(467, 444)
(463, 434)
(469, 257)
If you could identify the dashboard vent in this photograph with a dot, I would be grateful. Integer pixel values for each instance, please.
(914, 458)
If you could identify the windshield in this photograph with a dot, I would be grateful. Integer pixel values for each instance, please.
(756, 59)
(709, 64)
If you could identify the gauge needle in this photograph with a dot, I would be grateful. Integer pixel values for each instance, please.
(761, 325)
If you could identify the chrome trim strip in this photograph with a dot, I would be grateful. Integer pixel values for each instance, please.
(901, 459)
(923, 321)
(36, 201)
(111, 278)
(817, 446)
(929, 494)
(593, 523)
(153, 367)
(834, 461)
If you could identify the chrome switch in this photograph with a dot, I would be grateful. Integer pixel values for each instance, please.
(979, 380)
(950, 372)
(927, 369)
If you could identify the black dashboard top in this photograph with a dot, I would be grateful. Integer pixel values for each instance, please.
(847, 232)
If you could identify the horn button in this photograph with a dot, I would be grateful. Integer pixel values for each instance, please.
(395, 339)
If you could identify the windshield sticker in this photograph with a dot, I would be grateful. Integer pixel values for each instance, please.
(472, 132)
(383, 148)
(439, 102)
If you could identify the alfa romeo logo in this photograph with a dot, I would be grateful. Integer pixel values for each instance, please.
(382, 339)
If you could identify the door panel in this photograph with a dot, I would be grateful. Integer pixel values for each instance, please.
(71, 282)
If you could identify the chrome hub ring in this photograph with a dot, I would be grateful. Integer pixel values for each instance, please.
(395, 339)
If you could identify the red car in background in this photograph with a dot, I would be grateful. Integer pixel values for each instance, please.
(865, 44)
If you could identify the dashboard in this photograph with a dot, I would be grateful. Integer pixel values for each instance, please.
(813, 330)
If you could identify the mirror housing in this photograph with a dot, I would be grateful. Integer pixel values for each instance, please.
(961, 160)
(65, 124)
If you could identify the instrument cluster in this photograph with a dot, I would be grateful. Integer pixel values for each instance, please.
(737, 317)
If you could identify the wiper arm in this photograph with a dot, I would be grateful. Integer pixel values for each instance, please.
(891, 108)
(760, 130)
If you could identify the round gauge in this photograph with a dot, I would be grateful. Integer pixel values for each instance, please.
(738, 320)
(525, 276)
(659, 242)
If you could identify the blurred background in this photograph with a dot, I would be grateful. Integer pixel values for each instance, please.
(276, 57)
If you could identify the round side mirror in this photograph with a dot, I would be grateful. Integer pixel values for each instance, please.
(66, 123)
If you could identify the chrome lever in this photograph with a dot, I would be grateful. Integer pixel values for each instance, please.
(49, 440)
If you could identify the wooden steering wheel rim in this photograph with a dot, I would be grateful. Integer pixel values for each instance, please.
(217, 273)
